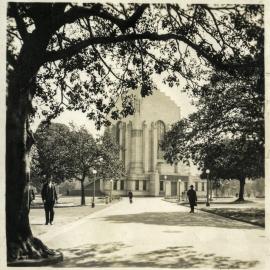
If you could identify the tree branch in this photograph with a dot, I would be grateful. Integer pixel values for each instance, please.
(76, 13)
(215, 22)
(13, 11)
(212, 58)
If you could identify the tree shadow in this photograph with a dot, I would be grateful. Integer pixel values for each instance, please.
(108, 255)
(180, 219)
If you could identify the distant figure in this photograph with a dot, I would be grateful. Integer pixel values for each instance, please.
(192, 197)
(130, 195)
(31, 196)
(49, 197)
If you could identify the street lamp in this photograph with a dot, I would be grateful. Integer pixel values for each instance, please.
(211, 189)
(94, 187)
(179, 181)
(207, 199)
(111, 189)
(94, 184)
(165, 182)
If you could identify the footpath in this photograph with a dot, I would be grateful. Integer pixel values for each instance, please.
(67, 211)
(152, 233)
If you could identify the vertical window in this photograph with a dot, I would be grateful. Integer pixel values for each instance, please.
(115, 185)
(117, 134)
(186, 186)
(202, 186)
(196, 185)
(144, 185)
(160, 136)
(137, 182)
(161, 185)
(122, 185)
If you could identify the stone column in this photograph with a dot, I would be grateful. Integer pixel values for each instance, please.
(145, 148)
(154, 146)
(167, 187)
(136, 165)
(127, 146)
(154, 184)
(121, 141)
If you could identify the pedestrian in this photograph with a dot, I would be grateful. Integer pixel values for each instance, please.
(130, 195)
(49, 198)
(192, 197)
(31, 196)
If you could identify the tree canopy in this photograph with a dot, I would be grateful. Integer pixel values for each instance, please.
(226, 133)
(85, 56)
(93, 53)
(67, 152)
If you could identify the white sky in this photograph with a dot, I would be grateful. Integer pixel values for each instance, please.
(180, 98)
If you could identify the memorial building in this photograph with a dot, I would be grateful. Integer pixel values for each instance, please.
(139, 136)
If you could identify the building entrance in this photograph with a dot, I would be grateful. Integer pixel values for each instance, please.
(173, 188)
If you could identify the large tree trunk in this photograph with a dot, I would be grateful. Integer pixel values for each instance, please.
(82, 193)
(19, 239)
(242, 181)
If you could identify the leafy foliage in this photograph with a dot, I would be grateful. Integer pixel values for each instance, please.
(226, 134)
(90, 54)
(111, 167)
(66, 153)
(49, 156)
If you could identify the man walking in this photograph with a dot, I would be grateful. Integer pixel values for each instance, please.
(130, 195)
(192, 197)
(49, 197)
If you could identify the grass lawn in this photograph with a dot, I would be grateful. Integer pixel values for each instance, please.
(251, 215)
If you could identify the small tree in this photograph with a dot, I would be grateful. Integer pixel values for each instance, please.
(233, 159)
(83, 155)
(112, 166)
(49, 157)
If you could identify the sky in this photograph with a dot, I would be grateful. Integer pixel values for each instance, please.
(175, 93)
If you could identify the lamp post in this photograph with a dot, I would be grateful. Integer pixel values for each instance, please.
(165, 183)
(94, 184)
(179, 181)
(94, 188)
(207, 199)
(211, 190)
(111, 189)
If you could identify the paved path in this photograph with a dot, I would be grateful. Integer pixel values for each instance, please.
(154, 233)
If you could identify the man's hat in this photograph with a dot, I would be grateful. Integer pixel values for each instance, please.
(191, 186)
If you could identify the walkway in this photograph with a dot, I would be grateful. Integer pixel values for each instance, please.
(154, 233)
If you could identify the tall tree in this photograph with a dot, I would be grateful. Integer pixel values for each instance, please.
(83, 56)
(52, 151)
(83, 155)
(226, 134)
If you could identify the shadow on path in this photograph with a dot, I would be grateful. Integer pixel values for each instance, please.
(108, 255)
(180, 219)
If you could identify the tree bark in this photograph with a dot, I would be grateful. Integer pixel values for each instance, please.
(242, 181)
(82, 192)
(19, 239)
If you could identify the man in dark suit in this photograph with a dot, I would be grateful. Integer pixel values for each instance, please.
(130, 195)
(49, 197)
(192, 197)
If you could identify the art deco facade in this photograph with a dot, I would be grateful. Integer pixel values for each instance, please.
(139, 135)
